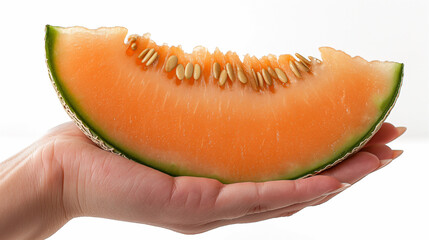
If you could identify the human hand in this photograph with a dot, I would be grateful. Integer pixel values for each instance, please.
(66, 176)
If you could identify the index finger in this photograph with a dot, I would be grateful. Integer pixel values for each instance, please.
(387, 133)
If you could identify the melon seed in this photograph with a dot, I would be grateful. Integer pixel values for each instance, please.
(222, 77)
(281, 74)
(197, 71)
(313, 59)
(230, 71)
(180, 72)
(305, 64)
(241, 76)
(267, 77)
(132, 39)
(152, 59)
(189, 69)
(143, 53)
(134, 46)
(302, 67)
(171, 63)
(294, 69)
(254, 80)
(216, 70)
(260, 79)
(303, 59)
(272, 72)
(148, 55)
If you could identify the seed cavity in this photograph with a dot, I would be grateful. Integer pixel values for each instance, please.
(267, 77)
(197, 71)
(260, 79)
(180, 72)
(134, 46)
(230, 71)
(241, 76)
(257, 79)
(216, 70)
(189, 70)
(282, 76)
(148, 55)
(152, 59)
(272, 72)
(303, 59)
(171, 63)
(294, 69)
(222, 78)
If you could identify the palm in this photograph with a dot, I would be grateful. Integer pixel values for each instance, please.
(102, 184)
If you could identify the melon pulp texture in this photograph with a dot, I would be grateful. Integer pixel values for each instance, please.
(232, 133)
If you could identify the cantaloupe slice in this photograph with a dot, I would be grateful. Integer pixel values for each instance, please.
(219, 127)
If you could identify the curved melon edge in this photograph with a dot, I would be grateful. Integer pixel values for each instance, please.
(387, 105)
(50, 35)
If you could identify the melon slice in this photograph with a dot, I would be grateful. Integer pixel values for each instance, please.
(219, 125)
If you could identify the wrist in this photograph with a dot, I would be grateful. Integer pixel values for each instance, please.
(31, 184)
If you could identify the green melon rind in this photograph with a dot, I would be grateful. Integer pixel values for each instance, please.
(96, 135)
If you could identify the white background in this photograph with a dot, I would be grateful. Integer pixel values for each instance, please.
(390, 204)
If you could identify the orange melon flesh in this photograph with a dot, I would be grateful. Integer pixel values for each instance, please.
(231, 133)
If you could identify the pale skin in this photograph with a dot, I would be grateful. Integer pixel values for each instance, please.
(64, 175)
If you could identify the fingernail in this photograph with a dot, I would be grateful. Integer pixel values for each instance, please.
(401, 130)
(397, 153)
(343, 187)
(384, 162)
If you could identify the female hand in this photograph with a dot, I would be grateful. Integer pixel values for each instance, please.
(64, 175)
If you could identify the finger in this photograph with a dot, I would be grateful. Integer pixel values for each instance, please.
(281, 212)
(354, 168)
(68, 129)
(285, 211)
(241, 199)
(381, 151)
(64, 127)
(357, 167)
(386, 134)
